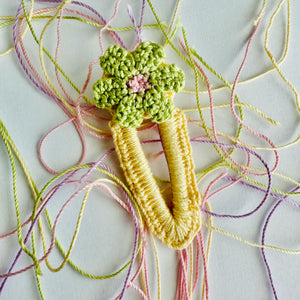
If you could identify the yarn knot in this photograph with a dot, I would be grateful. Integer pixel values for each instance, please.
(138, 83)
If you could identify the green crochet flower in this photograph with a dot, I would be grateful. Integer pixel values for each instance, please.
(137, 83)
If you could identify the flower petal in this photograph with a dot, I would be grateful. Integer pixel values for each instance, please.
(168, 78)
(148, 56)
(118, 62)
(109, 92)
(130, 111)
(158, 105)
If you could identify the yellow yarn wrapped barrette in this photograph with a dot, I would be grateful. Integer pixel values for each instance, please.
(138, 84)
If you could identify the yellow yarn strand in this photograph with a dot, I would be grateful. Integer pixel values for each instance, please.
(249, 106)
(280, 61)
(172, 22)
(157, 267)
(117, 181)
(236, 237)
(271, 55)
(237, 141)
(208, 246)
(191, 269)
(262, 10)
(41, 50)
(75, 234)
(42, 59)
(43, 15)
(24, 32)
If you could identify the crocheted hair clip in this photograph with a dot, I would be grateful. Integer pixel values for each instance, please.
(140, 84)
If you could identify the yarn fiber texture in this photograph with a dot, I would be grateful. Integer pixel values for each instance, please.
(177, 225)
(137, 84)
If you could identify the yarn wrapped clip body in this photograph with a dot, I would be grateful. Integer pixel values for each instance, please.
(140, 84)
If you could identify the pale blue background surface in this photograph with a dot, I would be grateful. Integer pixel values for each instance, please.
(218, 30)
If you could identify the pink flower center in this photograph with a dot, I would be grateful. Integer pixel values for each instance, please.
(138, 83)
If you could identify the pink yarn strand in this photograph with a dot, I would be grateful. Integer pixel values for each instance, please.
(107, 24)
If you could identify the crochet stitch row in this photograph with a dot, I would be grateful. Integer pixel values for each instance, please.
(177, 224)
